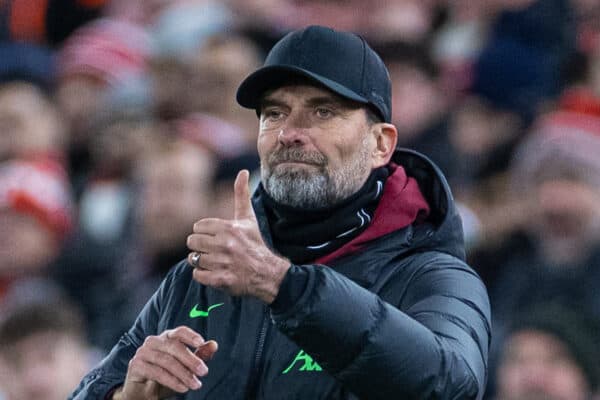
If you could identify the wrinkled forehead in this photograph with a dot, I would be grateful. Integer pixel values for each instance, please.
(306, 91)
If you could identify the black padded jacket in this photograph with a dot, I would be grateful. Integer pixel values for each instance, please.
(405, 318)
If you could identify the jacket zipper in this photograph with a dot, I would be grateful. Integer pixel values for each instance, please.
(257, 366)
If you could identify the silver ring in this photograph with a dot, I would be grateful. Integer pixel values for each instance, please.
(195, 259)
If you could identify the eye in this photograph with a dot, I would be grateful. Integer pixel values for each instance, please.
(323, 112)
(272, 114)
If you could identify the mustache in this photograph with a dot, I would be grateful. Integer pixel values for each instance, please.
(297, 155)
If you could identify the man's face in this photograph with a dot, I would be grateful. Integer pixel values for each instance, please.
(175, 193)
(43, 366)
(416, 102)
(26, 246)
(538, 366)
(566, 220)
(216, 73)
(28, 122)
(315, 147)
(170, 81)
(78, 97)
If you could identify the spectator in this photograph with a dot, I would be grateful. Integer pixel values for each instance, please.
(169, 78)
(179, 35)
(96, 57)
(169, 188)
(43, 349)
(551, 353)
(216, 69)
(555, 175)
(506, 98)
(175, 189)
(421, 108)
(121, 134)
(553, 250)
(36, 213)
(30, 124)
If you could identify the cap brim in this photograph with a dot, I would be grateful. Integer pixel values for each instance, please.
(270, 77)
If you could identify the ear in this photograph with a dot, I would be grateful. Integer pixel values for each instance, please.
(386, 139)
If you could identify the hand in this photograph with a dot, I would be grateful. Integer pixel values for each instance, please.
(233, 255)
(164, 364)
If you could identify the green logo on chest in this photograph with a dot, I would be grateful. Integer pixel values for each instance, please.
(305, 363)
(195, 313)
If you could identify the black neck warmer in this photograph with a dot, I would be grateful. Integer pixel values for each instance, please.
(303, 235)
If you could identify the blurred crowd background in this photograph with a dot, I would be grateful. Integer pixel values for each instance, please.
(119, 129)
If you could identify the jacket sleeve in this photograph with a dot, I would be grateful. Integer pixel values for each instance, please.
(433, 345)
(111, 371)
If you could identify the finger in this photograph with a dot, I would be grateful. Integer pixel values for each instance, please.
(210, 261)
(200, 243)
(185, 335)
(203, 276)
(176, 368)
(194, 259)
(165, 351)
(215, 279)
(146, 370)
(207, 350)
(209, 226)
(183, 355)
(242, 205)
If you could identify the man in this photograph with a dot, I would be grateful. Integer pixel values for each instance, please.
(36, 216)
(43, 351)
(22, 135)
(175, 182)
(550, 353)
(342, 277)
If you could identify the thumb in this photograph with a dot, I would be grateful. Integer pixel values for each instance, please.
(207, 350)
(242, 206)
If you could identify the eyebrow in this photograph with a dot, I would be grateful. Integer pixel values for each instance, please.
(266, 102)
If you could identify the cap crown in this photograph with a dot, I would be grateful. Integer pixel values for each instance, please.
(341, 61)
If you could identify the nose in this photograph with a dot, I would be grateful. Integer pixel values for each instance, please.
(292, 136)
(295, 129)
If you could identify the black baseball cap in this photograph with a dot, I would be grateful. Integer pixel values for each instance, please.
(340, 61)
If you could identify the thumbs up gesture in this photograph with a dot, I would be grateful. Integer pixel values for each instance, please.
(233, 256)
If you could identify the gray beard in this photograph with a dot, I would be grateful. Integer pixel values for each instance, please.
(300, 189)
(304, 188)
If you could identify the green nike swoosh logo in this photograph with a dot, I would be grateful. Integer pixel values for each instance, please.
(195, 313)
